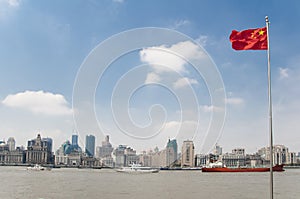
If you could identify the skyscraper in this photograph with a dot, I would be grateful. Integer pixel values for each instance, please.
(90, 145)
(217, 150)
(75, 140)
(171, 152)
(105, 150)
(187, 154)
(11, 144)
(48, 142)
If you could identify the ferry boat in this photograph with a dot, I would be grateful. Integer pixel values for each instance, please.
(36, 167)
(217, 167)
(137, 168)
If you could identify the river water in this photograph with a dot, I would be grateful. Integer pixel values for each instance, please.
(17, 182)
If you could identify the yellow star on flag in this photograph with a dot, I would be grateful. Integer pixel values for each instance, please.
(261, 32)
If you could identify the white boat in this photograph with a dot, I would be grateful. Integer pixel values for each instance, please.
(36, 167)
(137, 168)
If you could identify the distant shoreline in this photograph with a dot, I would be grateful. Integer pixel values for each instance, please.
(99, 167)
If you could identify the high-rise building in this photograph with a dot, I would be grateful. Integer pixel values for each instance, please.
(104, 152)
(171, 152)
(90, 145)
(187, 154)
(119, 156)
(75, 140)
(105, 149)
(11, 144)
(145, 159)
(217, 150)
(48, 142)
(69, 154)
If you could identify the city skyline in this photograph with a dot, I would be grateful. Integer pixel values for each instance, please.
(45, 46)
(218, 149)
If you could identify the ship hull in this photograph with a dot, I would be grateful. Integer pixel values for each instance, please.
(277, 168)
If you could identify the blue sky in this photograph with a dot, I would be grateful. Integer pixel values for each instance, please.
(44, 43)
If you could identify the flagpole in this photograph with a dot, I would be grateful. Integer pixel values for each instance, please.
(270, 112)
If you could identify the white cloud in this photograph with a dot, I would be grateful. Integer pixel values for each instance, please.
(182, 129)
(39, 102)
(9, 3)
(13, 3)
(8, 8)
(211, 108)
(283, 73)
(234, 101)
(180, 23)
(164, 59)
(202, 40)
(152, 78)
(183, 82)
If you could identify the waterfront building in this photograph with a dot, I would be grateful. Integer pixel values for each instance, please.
(238, 151)
(90, 162)
(39, 151)
(130, 156)
(90, 145)
(187, 154)
(69, 154)
(145, 159)
(281, 155)
(105, 149)
(171, 153)
(15, 157)
(234, 159)
(60, 157)
(74, 159)
(104, 152)
(217, 150)
(4, 146)
(298, 158)
(107, 162)
(201, 160)
(11, 157)
(11, 144)
(119, 156)
(167, 157)
(125, 156)
(158, 158)
(254, 160)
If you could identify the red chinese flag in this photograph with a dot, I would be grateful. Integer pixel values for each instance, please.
(251, 39)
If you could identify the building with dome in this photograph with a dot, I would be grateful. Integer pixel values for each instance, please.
(39, 151)
(69, 154)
